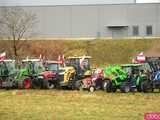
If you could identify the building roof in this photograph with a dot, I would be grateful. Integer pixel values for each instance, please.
(60, 2)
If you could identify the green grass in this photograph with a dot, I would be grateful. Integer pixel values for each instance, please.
(75, 105)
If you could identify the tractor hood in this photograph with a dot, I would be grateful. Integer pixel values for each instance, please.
(48, 74)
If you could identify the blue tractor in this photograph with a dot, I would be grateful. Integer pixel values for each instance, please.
(154, 75)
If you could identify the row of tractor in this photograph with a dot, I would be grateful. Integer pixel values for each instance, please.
(76, 73)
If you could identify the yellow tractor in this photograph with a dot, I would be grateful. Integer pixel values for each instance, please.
(74, 70)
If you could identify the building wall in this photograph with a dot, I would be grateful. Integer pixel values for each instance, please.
(94, 20)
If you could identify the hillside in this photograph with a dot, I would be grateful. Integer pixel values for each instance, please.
(103, 51)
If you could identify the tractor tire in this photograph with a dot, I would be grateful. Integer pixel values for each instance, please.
(0, 84)
(48, 85)
(125, 88)
(79, 85)
(146, 86)
(37, 84)
(108, 86)
(91, 89)
(104, 85)
(114, 89)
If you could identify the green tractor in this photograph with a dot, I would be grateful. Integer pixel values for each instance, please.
(116, 79)
(135, 75)
(7, 74)
(127, 77)
(153, 81)
(24, 78)
(27, 76)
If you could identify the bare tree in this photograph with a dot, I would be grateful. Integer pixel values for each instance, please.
(16, 24)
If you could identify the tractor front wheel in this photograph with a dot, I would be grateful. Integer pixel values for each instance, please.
(91, 89)
(49, 84)
(79, 85)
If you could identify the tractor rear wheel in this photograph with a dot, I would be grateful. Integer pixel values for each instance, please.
(104, 85)
(37, 84)
(146, 86)
(0, 84)
(108, 85)
(125, 88)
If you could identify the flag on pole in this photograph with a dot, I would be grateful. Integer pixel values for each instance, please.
(61, 59)
(2, 56)
(82, 61)
(40, 57)
(140, 58)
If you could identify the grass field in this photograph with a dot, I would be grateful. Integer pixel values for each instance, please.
(75, 105)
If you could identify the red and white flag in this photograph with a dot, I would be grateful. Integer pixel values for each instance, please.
(40, 57)
(2, 56)
(140, 58)
(61, 59)
(82, 61)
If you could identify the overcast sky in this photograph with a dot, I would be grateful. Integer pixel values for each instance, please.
(68, 2)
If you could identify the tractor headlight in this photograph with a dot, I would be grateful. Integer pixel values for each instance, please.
(40, 77)
(61, 73)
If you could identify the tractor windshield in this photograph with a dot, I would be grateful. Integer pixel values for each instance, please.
(11, 67)
(38, 67)
(52, 67)
(76, 63)
(7, 68)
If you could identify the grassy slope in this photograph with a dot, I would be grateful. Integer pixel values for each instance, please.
(103, 51)
(73, 105)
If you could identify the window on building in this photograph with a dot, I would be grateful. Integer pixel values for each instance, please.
(135, 30)
(149, 30)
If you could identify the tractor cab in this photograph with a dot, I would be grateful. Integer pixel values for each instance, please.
(32, 66)
(54, 66)
(154, 74)
(132, 68)
(7, 67)
(7, 73)
(154, 63)
(81, 65)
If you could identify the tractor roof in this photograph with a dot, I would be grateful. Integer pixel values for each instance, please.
(131, 65)
(79, 57)
(33, 60)
(53, 62)
(8, 60)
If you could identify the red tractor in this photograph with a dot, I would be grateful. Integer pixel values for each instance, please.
(48, 78)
